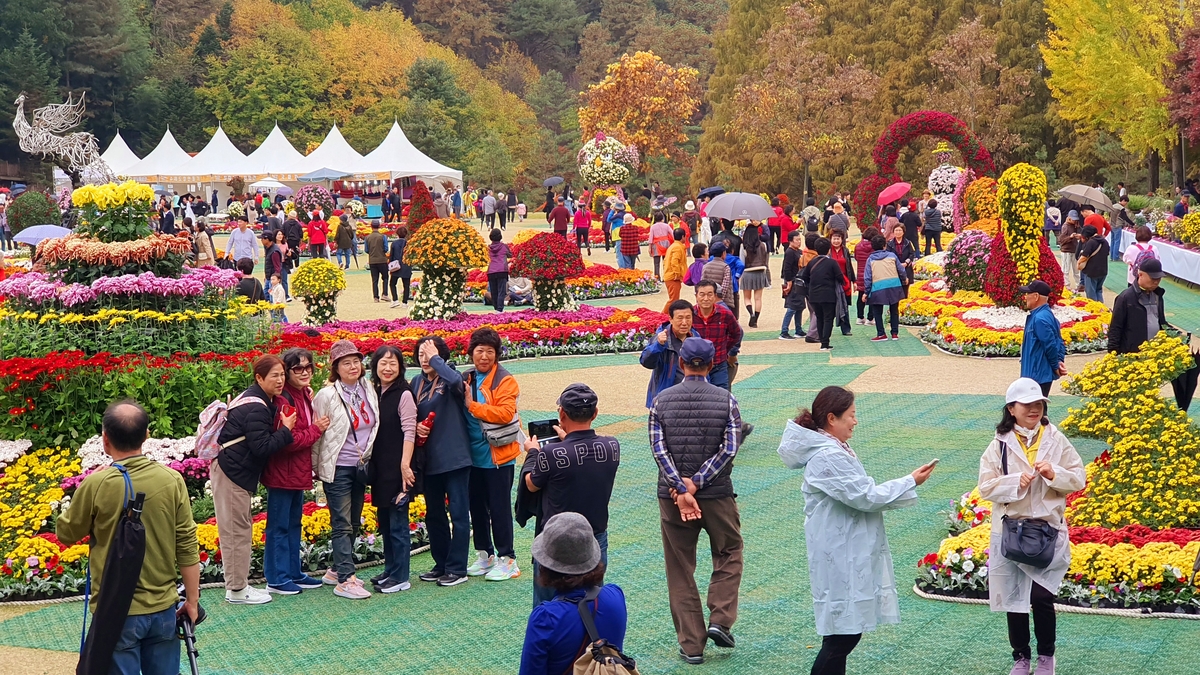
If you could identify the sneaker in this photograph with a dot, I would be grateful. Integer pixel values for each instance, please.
(720, 636)
(288, 588)
(786, 336)
(395, 304)
(847, 333)
(825, 349)
(432, 575)
(879, 338)
(1021, 667)
(691, 660)
(1045, 665)
(308, 582)
(505, 568)
(247, 596)
(861, 322)
(390, 586)
(378, 578)
(810, 340)
(451, 580)
(353, 589)
(895, 336)
(483, 564)
(330, 578)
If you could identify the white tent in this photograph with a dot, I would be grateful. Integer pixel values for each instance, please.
(396, 157)
(118, 156)
(333, 153)
(164, 159)
(276, 157)
(217, 162)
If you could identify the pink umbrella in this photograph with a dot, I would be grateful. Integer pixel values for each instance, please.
(893, 192)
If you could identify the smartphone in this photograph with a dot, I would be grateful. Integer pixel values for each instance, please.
(544, 431)
(934, 462)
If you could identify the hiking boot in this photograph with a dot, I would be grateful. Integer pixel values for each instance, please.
(690, 659)
(247, 596)
(1021, 667)
(1045, 665)
(720, 636)
(505, 568)
(352, 589)
(484, 562)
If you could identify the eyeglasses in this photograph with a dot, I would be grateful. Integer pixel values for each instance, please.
(300, 370)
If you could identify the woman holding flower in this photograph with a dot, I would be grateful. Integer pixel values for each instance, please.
(287, 476)
(1027, 471)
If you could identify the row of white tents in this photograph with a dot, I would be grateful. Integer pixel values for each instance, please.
(219, 161)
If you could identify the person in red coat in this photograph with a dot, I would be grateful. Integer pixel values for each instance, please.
(288, 474)
(863, 250)
(318, 235)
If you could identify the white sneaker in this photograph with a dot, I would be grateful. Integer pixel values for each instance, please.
(395, 304)
(247, 596)
(482, 565)
(506, 568)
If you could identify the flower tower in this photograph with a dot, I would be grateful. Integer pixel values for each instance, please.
(604, 160)
(444, 250)
(1019, 252)
(959, 219)
(310, 198)
(317, 283)
(421, 210)
(548, 259)
(982, 207)
(944, 178)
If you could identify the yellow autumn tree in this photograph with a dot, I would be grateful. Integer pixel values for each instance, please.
(644, 102)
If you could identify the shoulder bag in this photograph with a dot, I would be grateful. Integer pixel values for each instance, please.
(498, 435)
(1026, 540)
(599, 657)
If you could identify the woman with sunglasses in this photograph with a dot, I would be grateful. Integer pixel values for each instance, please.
(287, 476)
(341, 457)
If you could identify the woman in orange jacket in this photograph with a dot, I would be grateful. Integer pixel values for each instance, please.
(494, 427)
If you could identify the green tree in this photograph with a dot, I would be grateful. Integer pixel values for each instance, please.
(469, 27)
(596, 51)
(623, 17)
(546, 30)
(431, 79)
(225, 20)
(433, 130)
(490, 162)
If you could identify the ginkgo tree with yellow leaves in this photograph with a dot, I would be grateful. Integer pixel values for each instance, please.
(644, 102)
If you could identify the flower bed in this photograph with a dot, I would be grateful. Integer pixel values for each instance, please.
(931, 266)
(588, 330)
(211, 286)
(84, 260)
(596, 281)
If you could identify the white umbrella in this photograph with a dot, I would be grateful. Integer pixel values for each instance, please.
(740, 206)
(1087, 195)
(268, 183)
(34, 235)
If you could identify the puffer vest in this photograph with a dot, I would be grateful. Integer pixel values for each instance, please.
(693, 415)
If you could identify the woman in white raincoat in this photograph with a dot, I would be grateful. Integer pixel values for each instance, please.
(849, 563)
(1043, 468)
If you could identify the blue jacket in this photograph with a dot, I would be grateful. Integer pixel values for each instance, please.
(1042, 348)
(555, 631)
(664, 361)
(885, 289)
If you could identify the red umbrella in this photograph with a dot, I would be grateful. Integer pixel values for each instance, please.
(893, 192)
(3, 189)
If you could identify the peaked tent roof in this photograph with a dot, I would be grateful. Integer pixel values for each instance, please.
(118, 156)
(164, 158)
(277, 157)
(333, 153)
(218, 161)
(396, 156)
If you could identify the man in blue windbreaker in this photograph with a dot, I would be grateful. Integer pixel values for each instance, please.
(1042, 348)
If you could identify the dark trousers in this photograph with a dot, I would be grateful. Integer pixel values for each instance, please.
(824, 313)
(489, 219)
(448, 546)
(720, 521)
(379, 279)
(607, 239)
(395, 278)
(491, 502)
(934, 238)
(317, 251)
(844, 321)
(148, 645)
(894, 310)
(788, 315)
(862, 303)
(583, 240)
(1044, 625)
(776, 237)
(831, 660)
(498, 288)
(281, 552)
(345, 496)
(503, 218)
(397, 541)
(1045, 392)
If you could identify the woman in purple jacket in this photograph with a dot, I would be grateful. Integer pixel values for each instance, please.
(497, 271)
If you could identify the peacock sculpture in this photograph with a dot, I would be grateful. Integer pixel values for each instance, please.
(45, 137)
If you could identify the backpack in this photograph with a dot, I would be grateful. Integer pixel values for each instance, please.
(598, 657)
(812, 222)
(212, 423)
(1143, 255)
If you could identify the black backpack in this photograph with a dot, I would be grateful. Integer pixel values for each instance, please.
(811, 222)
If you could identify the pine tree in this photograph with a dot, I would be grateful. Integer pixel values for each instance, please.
(421, 210)
(596, 51)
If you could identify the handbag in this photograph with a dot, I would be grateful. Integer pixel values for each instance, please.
(1026, 540)
(364, 471)
(1081, 262)
(599, 657)
(394, 266)
(499, 434)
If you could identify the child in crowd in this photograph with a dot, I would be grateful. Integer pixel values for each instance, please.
(279, 297)
(521, 211)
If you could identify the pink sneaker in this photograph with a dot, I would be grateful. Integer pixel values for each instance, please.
(353, 589)
(330, 578)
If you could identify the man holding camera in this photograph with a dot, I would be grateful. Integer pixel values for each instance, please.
(575, 474)
(148, 643)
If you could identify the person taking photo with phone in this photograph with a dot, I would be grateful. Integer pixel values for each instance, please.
(849, 563)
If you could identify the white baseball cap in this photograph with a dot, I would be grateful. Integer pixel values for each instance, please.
(1024, 390)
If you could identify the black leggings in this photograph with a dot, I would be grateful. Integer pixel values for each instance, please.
(583, 239)
(488, 491)
(498, 289)
(831, 660)
(407, 285)
(934, 238)
(1044, 625)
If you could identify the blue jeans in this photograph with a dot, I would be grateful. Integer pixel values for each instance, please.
(449, 547)
(1093, 288)
(397, 541)
(345, 497)
(719, 375)
(147, 645)
(343, 252)
(281, 554)
(545, 594)
(1114, 243)
(788, 315)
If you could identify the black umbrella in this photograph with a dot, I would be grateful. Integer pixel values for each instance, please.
(710, 192)
(1185, 385)
(122, 569)
(552, 181)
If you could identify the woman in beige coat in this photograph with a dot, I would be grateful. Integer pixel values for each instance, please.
(1042, 469)
(204, 250)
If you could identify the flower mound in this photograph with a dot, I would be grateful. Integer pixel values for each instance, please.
(604, 160)
(1001, 282)
(1022, 195)
(317, 283)
(998, 331)
(967, 261)
(311, 198)
(980, 200)
(114, 212)
(422, 210)
(444, 249)
(548, 259)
